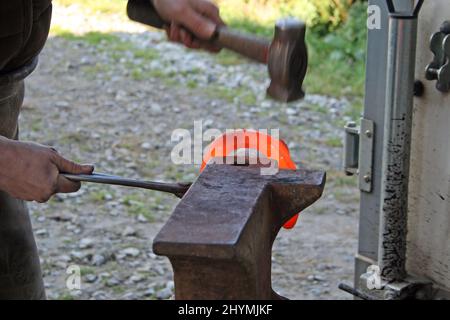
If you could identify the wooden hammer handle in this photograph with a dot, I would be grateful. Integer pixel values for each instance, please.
(142, 11)
(249, 46)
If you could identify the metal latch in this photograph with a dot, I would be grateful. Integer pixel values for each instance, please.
(358, 152)
(351, 148)
(439, 69)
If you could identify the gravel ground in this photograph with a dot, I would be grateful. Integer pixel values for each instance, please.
(115, 102)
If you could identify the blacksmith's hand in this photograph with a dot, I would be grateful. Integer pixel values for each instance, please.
(191, 21)
(31, 171)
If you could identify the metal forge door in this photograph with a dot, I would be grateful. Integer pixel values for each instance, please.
(428, 226)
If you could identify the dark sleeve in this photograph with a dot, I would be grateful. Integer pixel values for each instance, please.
(143, 11)
(24, 27)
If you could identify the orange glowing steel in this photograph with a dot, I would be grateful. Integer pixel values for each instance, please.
(270, 147)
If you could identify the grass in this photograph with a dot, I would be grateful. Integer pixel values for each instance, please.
(92, 71)
(118, 289)
(228, 58)
(136, 206)
(340, 179)
(85, 270)
(94, 38)
(336, 58)
(334, 142)
(231, 95)
(66, 296)
(355, 109)
(319, 108)
(191, 84)
(72, 137)
(146, 54)
(320, 209)
(345, 195)
(110, 43)
(100, 6)
(36, 125)
(106, 42)
(342, 186)
(140, 74)
(100, 195)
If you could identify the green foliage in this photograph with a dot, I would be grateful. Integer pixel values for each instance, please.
(93, 37)
(349, 41)
(330, 13)
(336, 37)
(337, 60)
(101, 6)
(334, 142)
(136, 206)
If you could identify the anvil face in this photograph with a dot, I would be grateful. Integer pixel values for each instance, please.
(219, 238)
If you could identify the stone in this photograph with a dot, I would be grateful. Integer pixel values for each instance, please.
(130, 252)
(155, 108)
(100, 295)
(136, 278)
(104, 275)
(64, 258)
(149, 292)
(291, 111)
(129, 232)
(112, 282)
(159, 270)
(98, 260)
(78, 255)
(90, 278)
(165, 293)
(170, 285)
(86, 243)
(108, 197)
(129, 296)
(319, 278)
(146, 146)
(41, 232)
(62, 104)
(142, 219)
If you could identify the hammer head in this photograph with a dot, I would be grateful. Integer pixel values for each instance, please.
(288, 60)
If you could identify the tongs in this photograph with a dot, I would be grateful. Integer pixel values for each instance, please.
(177, 189)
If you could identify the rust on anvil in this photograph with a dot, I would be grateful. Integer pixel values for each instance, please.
(219, 238)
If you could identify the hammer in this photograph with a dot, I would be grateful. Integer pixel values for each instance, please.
(286, 55)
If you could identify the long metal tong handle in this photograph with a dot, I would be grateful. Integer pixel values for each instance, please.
(178, 189)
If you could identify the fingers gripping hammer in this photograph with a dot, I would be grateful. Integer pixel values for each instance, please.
(286, 55)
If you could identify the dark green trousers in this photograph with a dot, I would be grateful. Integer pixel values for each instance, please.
(20, 272)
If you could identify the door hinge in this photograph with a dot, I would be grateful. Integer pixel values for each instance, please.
(358, 152)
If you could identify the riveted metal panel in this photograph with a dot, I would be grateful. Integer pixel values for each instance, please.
(428, 246)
